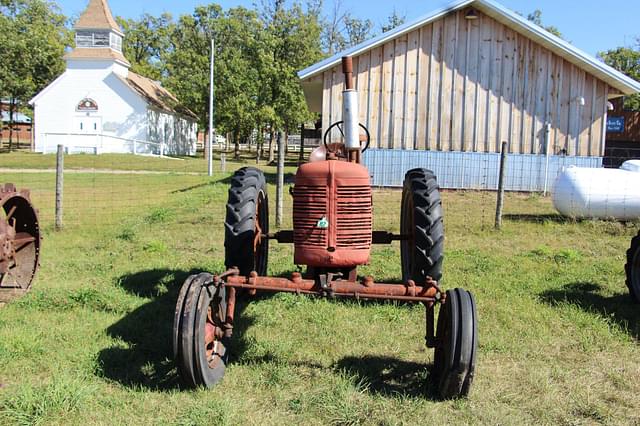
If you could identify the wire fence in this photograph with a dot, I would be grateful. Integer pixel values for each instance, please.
(110, 189)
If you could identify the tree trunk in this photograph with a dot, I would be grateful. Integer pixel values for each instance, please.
(207, 142)
(236, 145)
(286, 143)
(301, 157)
(271, 150)
(11, 107)
(259, 144)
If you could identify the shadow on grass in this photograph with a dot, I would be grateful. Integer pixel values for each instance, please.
(146, 359)
(620, 308)
(392, 377)
(540, 218)
(143, 356)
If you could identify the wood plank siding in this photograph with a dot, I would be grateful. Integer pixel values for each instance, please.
(467, 85)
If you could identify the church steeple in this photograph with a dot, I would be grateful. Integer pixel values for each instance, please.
(97, 16)
(98, 35)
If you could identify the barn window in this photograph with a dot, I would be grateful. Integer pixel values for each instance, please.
(87, 104)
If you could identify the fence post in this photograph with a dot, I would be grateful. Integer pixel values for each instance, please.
(59, 186)
(280, 181)
(223, 162)
(547, 143)
(503, 166)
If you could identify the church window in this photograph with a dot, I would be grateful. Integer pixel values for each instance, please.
(101, 39)
(84, 39)
(97, 39)
(87, 104)
(116, 42)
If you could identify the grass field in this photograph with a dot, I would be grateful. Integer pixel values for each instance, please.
(91, 343)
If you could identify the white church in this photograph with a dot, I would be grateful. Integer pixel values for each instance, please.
(99, 106)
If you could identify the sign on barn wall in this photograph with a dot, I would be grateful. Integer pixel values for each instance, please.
(615, 124)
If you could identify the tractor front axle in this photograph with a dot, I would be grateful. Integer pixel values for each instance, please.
(428, 293)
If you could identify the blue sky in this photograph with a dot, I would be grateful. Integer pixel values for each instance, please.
(591, 25)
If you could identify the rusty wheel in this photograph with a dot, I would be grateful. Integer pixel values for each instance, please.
(455, 354)
(200, 345)
(19, 243)
(632, 268)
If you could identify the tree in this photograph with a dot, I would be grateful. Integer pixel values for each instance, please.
(627, 61)
(146, 40)
(536, 18)
(333, 26)
(394, 20)
(358, 30)
(236, 35)
(33, 37)
(292, 42)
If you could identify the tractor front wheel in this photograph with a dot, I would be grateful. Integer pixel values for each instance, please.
(421, 223)
(632, 268)
(199, 342)
(455, 354)
(247, 222)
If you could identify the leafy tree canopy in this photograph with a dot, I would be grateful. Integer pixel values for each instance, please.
(627, 61)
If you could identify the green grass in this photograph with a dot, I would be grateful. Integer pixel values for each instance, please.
(91, 342)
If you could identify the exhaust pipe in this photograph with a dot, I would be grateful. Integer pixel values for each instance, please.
(350, 113)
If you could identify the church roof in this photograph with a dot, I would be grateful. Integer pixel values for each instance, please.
(156, 95)
(97, 16)
(97, 53)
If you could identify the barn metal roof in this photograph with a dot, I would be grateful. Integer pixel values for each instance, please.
(613, 77)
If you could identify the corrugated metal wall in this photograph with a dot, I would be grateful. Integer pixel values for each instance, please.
(471, 170)
(467, 85)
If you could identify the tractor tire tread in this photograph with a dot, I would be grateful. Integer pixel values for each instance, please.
(429, 227)
(634, 250)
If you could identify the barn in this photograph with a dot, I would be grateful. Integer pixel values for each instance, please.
(446, 90)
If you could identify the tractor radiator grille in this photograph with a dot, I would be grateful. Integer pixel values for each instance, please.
(354, 217)
(309, 206)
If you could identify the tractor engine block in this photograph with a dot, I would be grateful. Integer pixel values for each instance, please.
(332, 215)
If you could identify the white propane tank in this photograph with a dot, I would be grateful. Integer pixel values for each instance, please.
(599, 193)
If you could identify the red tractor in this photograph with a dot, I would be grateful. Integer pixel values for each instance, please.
(332, 235)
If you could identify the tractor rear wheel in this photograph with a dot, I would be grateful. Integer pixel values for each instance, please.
(632, 268)
(421, 219)
(247, 222)
(455, 355)
(199, 342)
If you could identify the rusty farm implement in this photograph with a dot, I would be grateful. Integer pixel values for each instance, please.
(332, 235)
(19, 242)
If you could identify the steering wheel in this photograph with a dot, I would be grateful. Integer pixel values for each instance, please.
(337, 124)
